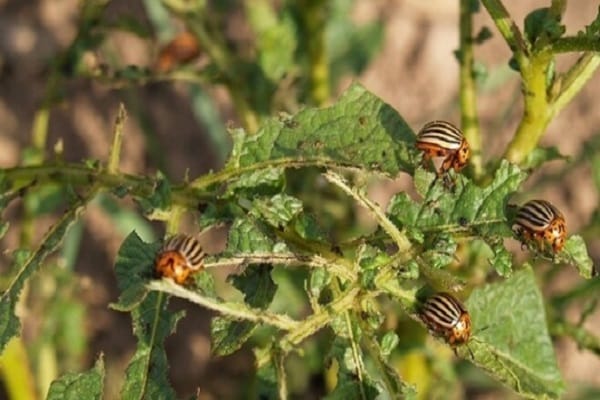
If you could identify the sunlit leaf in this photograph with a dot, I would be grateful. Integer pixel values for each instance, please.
(511, 340)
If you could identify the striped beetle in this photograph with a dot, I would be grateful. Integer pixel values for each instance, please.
(540, 222)
(179, 257)
(445, 316)
(443, 139)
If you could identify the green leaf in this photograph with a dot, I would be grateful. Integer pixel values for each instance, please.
(262, 182)
(152, 321)
(79, 386)
(160, 198)
(575, 253)
(134, 267)
(277, 210)
(9, 323)
(541, 23)
(358, 131)
(388, 343)
(469, 210)
(228, 335)
(145, 377)
(246, 236)
(275, 39)
(511, 340)
(541, 155)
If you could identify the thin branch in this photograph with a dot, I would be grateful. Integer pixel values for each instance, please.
(230, 309)
(568, 44)
(404, 245)
(468, 98)
(508, 29)
(115, 149)
(573, 80)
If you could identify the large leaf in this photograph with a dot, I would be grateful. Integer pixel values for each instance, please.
(511, 340)
(358, 131)
(152, 322)
(9, 323)
(79, 386)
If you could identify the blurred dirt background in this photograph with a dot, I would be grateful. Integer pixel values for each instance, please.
(415, 72)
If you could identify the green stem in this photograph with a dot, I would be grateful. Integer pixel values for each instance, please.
(79, 175)
(317, 259)
(230, 309)
(575, 78)
(508, 29)
(569, 44)
(399, 238)
(537, 114)
(115, 149)
(318, 320)
(468, 98)
(314, 17)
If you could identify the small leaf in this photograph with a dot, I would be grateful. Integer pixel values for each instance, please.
(277, 210)
(388, 343)
(160, 198)
(542, 23)
(261, 182)
(79, 386)
(511, 340)
(575, 253)
(227, 336)
(245, 236)
(133, 267)
(484, 34)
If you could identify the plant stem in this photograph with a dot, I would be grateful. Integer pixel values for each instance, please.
(79, 175)
(468, 98)
(329, 261)
(575, 78)
(537, 114)
(314, 17)
(508, 29)
(399, 238)
(233, 310)
(115, 149)
(568, 44)
(318, 320)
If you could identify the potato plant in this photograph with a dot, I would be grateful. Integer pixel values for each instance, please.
(313, 286)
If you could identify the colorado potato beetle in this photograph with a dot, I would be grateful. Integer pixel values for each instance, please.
(538, 221)
(445, 316)
(442, 139)
(179, 257)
